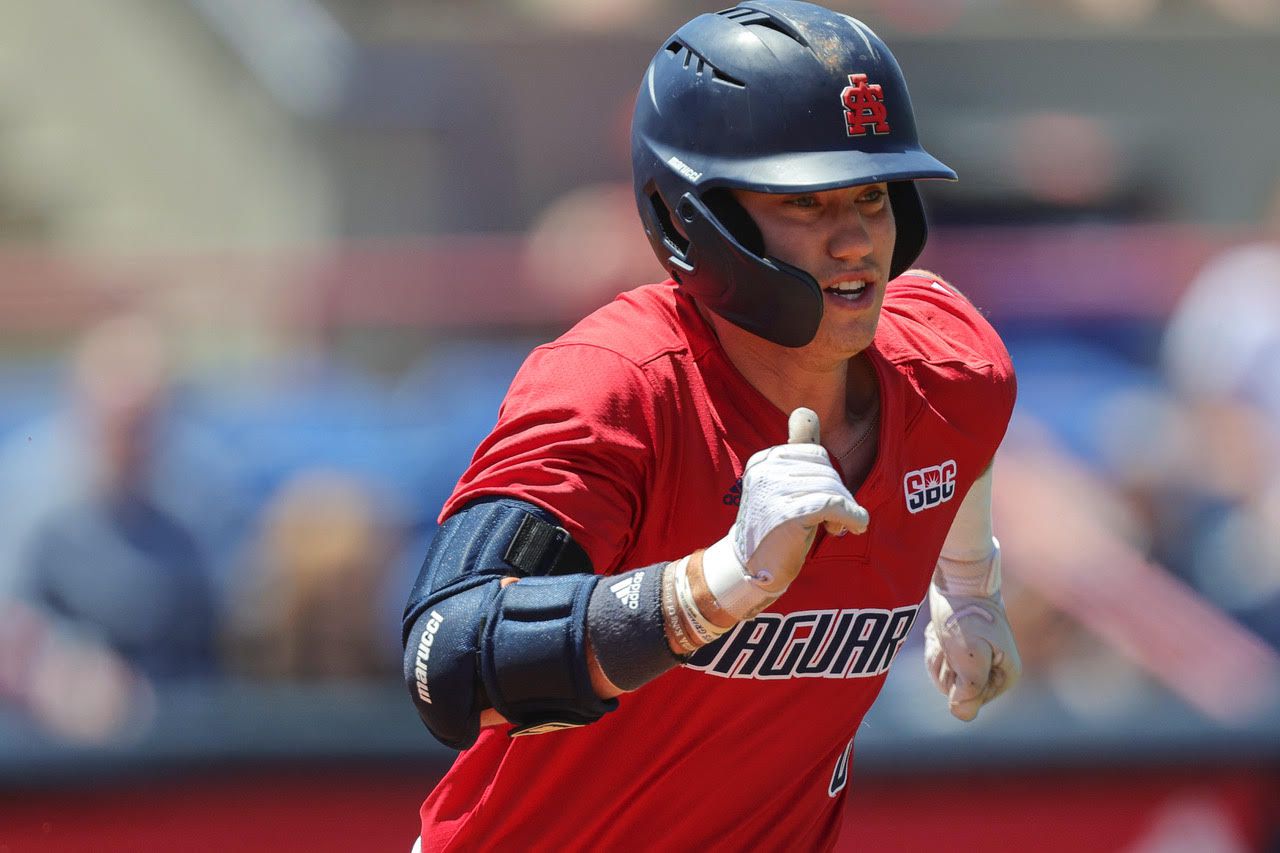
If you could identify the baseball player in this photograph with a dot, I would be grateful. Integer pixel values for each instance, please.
(673, 579)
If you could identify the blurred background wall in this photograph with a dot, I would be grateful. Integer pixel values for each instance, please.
(267, 267)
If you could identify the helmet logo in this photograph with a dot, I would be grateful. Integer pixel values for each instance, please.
(863, 107)
(686, 171)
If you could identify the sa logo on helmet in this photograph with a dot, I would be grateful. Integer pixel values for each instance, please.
(928, 487)
(864, 107)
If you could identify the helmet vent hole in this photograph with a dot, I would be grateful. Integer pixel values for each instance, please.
(754, 18)
(669, 233)
(720, 77)
(679, 50)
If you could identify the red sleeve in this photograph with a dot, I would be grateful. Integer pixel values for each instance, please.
(961, 359)
(577, 436)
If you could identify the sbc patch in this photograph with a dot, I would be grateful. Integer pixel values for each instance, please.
(928, 487)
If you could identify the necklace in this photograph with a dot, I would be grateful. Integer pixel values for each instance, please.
(872, 421)
(866, 433)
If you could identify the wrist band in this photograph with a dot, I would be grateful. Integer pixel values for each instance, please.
(736, 592)
(670, 606)
(707, 631)
(627, 629)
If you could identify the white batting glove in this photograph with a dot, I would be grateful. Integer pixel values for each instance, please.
(787, 491)
(968, 645)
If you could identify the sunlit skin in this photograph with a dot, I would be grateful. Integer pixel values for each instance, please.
(836, 236)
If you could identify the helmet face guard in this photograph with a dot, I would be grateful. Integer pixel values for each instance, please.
(771, 96)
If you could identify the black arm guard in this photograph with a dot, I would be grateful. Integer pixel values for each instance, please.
(471, 644)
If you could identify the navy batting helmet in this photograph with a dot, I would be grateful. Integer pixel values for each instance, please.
(772, 96)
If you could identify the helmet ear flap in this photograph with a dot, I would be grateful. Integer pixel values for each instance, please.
(908, 215)
(765, 296)
(735, 219)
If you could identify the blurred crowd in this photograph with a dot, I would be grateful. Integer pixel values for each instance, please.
(1140, 502)
(162, 530)
(159, 527)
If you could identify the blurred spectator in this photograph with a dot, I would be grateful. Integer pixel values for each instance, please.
(123, 423)
(308, 607)
(106, 555)
(1223, 340)
(1069, 544)
(1222, 355)
(590, 231)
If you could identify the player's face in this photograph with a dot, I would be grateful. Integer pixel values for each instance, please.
(844, 238)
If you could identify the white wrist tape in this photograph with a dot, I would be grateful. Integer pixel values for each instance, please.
(736, 592)
(707, 631)
(671, 606)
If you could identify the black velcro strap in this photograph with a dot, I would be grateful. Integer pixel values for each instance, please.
(540, 548)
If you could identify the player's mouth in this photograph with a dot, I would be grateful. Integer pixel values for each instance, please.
(851, 292)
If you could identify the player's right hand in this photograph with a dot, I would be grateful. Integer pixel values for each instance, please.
(787, 491)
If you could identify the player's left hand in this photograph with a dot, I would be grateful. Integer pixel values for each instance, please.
(969, 649)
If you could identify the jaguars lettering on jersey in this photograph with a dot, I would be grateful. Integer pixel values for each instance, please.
(809, 644)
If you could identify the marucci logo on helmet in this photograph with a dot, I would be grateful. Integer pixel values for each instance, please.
(864, 107)
(684, 169)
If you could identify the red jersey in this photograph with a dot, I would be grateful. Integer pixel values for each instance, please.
(633, 429)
